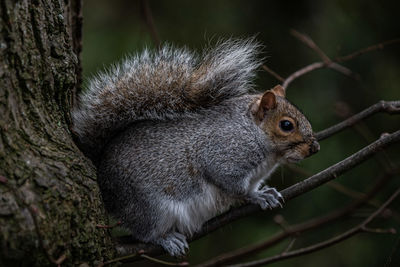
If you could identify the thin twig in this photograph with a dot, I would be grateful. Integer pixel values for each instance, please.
(302, 71)
(333, 184)
(366, 50)
(344, 111)
(357, 229)
(315, 66)
(310, 43)
(289, 247)
(390, 107)
(165, 262)
(342, 69)
(149, 21)
(326, 61)
(273, 73)
(379, 230)
(350, 192)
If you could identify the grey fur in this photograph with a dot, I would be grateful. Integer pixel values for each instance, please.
(182, 141)
(163, 178)
(162, 85)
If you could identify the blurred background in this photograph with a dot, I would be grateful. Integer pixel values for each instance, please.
(114, 29)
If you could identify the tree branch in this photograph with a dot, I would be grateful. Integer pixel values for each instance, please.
(326, 61)
(308, 184)
(299, 228)
(315, 66)
(311, 44)
(302, 71)
(359, 228)
(366, 50)
(273, 73)
(391, 107)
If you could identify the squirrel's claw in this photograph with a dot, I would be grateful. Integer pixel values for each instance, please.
(266, 197)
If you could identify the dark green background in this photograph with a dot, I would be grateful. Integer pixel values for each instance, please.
(113, 29)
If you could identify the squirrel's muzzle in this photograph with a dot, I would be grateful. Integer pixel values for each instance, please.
(314, 147)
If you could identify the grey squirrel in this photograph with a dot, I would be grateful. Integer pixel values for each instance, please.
(178, 137)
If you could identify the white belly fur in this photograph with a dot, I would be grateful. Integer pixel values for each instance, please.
(188, 216)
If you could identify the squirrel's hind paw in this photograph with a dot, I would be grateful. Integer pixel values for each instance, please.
(266, 197)
(174, 243)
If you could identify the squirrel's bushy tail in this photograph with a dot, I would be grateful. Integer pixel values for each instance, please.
(162, 85)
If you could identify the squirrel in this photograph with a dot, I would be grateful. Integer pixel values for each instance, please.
(178, 137)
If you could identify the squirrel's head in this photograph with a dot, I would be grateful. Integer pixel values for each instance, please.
(287, 128)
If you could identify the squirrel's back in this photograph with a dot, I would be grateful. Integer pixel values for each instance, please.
(166, 84)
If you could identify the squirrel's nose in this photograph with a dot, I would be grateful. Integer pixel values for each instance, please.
(314, 147)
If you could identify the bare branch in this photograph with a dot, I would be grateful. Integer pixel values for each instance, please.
(315, 66)
(344, 111)
(340, 167)
(273, 73)
(302, 71)
(307, 185)
(391, 107)
(382, 158)
(359, 228)
(311, 44)
(326, 61)
(161, 262)
(299, 228)
(379, 230)
(334, 185)
(342, 69)
(289, 247)
(366, 50)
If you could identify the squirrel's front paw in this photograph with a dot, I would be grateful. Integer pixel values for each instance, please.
(174, 243)
(266, 197)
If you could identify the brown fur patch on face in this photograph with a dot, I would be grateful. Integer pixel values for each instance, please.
(293, 144)
(304, 149)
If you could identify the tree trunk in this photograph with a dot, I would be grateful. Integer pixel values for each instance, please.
(49, 199)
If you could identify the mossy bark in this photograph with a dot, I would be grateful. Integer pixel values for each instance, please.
(49, 199)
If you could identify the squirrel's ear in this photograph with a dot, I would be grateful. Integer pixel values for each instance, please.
(279, 90)
(267, 102)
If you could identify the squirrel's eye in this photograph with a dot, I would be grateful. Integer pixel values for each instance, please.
(286, 125)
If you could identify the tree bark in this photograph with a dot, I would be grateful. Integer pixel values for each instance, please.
(49, 199)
